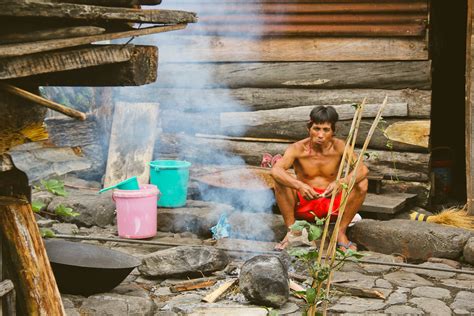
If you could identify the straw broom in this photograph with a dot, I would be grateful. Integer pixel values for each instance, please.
(455, 217)
(333, 241)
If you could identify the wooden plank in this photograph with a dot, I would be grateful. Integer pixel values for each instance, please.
(24, 66)
(193, 284)
(322, 75)
(199, 48)
(387, 203)
(374, 30)
(248, 99)
(131, 143)
(469, 113)
(32, 9)
(139, 70)
(38, 295)
(394, 165)
(111, 3)
(41, 35)
(214, 295)
(41, 46)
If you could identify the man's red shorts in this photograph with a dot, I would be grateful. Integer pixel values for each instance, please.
(319, 207)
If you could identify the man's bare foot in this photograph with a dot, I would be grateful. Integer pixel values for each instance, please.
(284, 243)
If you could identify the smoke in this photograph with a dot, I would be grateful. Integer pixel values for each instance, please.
(191, 101)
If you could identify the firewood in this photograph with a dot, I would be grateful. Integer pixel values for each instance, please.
(358, 291)
(193, 284)
(214, 295)
(111, 3)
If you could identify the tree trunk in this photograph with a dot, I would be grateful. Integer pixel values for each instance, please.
(33, 278)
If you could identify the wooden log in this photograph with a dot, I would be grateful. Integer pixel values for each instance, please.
(66, 132)
(373, 30)
(199, 48)
(41, 35)
(41, 46)
(38, 100)
(111, 3)
(34, 64)
(248, 99)
(33, 278)
(136, 140)
(193, 284)
(391, 164)
(469, 112)
(413, 132)
(6, 286)
(32, 8)
(379, 75)
(421, 189)
(139, 70)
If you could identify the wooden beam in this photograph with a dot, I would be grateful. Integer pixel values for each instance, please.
(139, 70)
(469, 111)
(6, 286)
(42, 46)
(111, 3)
(322, 75)
(24, 66)
(33, 278)
(199, 48)
(249, 99)
(41, 35)
(32, 9)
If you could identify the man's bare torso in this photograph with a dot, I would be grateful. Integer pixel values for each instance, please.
(317, 167)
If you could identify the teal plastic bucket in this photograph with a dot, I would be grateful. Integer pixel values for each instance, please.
(171, 177)
(128, 184)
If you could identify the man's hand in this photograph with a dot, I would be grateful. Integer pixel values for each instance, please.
(307, 192)
(334, 186)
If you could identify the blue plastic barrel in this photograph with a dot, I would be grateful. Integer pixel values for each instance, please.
(171, 177)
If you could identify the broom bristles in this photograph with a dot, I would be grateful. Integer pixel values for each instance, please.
(454, 217)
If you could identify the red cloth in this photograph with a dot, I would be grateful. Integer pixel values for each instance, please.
(319, 206)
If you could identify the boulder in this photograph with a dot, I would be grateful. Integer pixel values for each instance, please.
(94, 209)
(197, 217)
(468, 251)
(414, 240)
(264, 281)
(257, 226)
(183, 261)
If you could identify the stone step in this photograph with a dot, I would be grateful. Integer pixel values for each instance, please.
(387, 203)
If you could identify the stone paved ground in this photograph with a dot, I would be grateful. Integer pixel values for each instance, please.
(406, 290)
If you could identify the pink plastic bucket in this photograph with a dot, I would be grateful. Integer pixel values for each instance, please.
(136, 211)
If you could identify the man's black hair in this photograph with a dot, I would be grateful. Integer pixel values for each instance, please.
(323, 114)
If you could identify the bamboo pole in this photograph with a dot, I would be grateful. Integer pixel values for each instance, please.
(43, 102)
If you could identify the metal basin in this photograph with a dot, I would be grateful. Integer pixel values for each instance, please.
(87, 269)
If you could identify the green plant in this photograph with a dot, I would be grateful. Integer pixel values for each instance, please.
(62, 210)
(37, 206)
(320, 272)
(54, 186)
(45, 232)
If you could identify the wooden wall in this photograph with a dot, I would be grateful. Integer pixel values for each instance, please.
(245, 78)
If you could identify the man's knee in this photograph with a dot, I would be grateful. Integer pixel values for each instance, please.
(362, 187)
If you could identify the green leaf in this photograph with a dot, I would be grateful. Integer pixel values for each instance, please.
(299, 252)
(314, 232)
(310, 295)
(62, 210)
(37, 206)
(54, 186)
(299, 225)
(272, 312)
(319, 221)
(47, 233)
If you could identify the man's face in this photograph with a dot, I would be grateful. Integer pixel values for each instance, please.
(321, 133)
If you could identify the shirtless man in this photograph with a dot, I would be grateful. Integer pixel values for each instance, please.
(316, 162)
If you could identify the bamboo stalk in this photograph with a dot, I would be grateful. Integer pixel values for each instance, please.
(43, 102)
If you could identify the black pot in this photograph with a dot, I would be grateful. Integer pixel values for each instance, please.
(87, 269)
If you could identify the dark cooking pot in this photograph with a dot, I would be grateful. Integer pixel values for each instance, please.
(87, 269)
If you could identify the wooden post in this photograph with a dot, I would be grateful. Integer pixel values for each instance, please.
(469, 113)
(30, 269)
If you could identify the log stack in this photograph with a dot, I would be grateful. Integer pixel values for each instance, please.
(253, 70)
(54, 42)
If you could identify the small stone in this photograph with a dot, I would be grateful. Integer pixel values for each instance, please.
(452, 263)
(397, 298)
(65, 229)
(354, 279)
(431, 306)
(348, 304)
(384, 284)
(183, 304)
(431, 292)
(379, 257)
(46, 223)
(407, 279)
(464, 301)
(403, 310)
(116, 304)
(468, 252)
(264, 281)
(432, 273)
(459, 284)
(183, 261)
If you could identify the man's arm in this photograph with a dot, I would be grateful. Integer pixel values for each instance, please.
(281, 176)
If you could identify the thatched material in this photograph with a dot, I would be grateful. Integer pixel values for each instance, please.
(451, 217)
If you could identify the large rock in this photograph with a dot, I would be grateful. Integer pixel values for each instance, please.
(350, 304)
(183, 261)
(94, 209)
(431, 306)
(414, 240)
(257, 226)
(463, 303)
(196, 217)
(468, 251)
(115, 304)
(264, 281)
